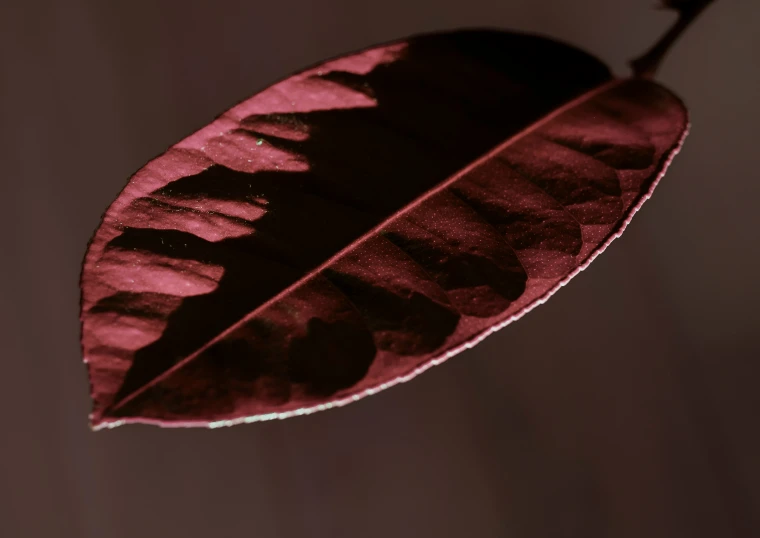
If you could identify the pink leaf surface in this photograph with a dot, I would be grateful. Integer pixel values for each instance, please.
(354, 224)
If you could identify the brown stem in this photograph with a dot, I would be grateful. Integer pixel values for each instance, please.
(646, 66)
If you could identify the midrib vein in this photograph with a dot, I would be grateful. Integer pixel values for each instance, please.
(365, 237)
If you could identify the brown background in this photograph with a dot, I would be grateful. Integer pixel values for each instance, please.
(625, 407)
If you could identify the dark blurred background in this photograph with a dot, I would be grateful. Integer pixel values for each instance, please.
(625, 407)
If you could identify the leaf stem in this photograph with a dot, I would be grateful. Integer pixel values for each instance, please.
(646, 65)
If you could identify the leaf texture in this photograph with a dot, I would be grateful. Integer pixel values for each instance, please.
(360, 221)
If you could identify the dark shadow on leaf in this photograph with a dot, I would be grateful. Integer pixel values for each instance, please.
(446, 101)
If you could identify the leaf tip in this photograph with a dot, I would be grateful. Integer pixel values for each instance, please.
(97, 422)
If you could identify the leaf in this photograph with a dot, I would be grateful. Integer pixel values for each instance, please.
(360, 221)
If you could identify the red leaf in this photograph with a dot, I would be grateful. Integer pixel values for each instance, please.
(356, 223)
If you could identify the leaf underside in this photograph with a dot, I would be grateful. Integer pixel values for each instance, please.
(350, 226)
